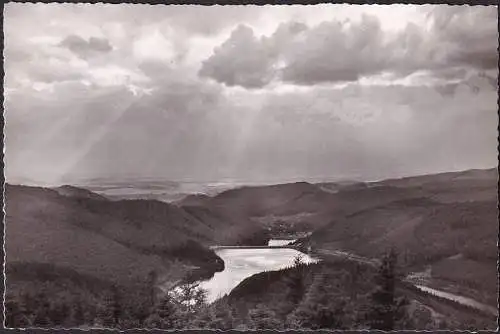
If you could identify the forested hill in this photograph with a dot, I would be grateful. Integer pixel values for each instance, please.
(447, 221)
(303, 206)
(281, 208)
(92, 255)
(447, 214)
(280, 199)
(120, 241)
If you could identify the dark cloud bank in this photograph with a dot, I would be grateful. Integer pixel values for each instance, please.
(344, 52)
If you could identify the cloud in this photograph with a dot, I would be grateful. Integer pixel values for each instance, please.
(326, 91)
(154, 46)
(231, 65)
(470, 34)
(335, 51)
(86, 48)
(329, 52)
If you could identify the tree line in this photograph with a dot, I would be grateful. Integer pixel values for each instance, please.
(322, 302)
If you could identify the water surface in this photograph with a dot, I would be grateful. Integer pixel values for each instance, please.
(459, 299)
(243, 263)
(279, 242)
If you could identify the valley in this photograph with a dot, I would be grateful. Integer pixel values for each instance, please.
(444, 225)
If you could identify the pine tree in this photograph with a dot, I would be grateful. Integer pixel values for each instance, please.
(115, 305)
(78, 315)
(15, 313)
(163, 315)
(151, 286)
(204, 318)
(41, 313)
(295, 281)
(328, 316)
(224, 316)
(386, 309)
(262, 317)
(139, 307)
(108, 310)
(321, 308)
(59, 312)
(167, 312)
(12, 312)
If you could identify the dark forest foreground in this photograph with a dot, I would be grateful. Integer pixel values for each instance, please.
(329, 295)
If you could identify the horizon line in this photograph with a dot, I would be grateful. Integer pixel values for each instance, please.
(233, 181)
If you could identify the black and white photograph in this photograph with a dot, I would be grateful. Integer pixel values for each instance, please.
(246, 167)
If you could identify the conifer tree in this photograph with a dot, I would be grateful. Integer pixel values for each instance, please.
(105, 312)
(262, 317)
(386, 310)
(224, 316)
(115, 305)
(78, 316)
(59, 312)
(204, 318)
(15, 313)
(41, 313)
(151, 284)
(295, 281)
(321, 308)
(167, 313)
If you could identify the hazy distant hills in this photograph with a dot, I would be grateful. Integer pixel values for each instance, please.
(71, 191)
(334, 187)
(314, 205)
(194, 200)
(150, 189)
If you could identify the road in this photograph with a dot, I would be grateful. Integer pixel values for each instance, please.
(442, 294)
(349, 256)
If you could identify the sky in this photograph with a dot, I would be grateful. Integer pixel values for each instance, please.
(248, 93)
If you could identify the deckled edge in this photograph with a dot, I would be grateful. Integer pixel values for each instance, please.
(254, 3)
(498, 177)
(276, 2)
(4, 287)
